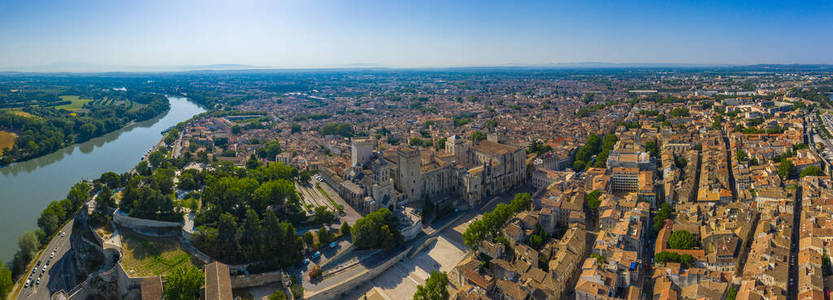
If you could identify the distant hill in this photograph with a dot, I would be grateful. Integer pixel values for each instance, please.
(94, 68)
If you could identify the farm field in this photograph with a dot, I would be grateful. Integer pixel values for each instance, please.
(77, 103)
(6, 140)
(24, 114)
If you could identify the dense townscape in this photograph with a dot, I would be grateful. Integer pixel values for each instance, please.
(471, 183)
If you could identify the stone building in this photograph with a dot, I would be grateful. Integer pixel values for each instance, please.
(470, 171)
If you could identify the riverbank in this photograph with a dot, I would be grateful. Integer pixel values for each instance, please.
(4, 140)
(29, 186)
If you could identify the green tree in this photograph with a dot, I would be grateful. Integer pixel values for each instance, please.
(79, 194)
(592, 199)
(538, 148)
(252, 163)
(680, 112)
(28, 244)
(741, 155)
(435, 288)
(579, 165)
(309, 239)
(104, 200)
(786, 169)
(143, 168)
(376, 230)
(324, 236)
(474, 234)
(732, 294)
(164, 180)
(111, 179)
(521, 202)
(345, 229)
(342, 129)
(273, 192)
(277, 295)
(171, 136)
(270, 150)
(156, 158)
(652, 147)
(681, 239)
(663, 214)
(491, 222)
(6, 283)
(227, 235)
(184, 283)
(323, 215)
(478, 136)
(811, 171)
(187, 181)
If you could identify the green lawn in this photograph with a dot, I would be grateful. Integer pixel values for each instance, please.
(146, 256)
(77, 103)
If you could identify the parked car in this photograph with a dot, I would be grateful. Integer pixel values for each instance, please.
(28, 283)
(37, 282)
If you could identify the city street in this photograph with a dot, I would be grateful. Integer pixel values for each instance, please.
(59, 274)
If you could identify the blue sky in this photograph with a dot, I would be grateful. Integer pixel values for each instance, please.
(424, 33)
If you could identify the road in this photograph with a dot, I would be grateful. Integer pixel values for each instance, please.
(59, 273)
(792, 291)
(367, 263)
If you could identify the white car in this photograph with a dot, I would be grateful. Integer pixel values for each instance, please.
(44, 268)
(28, 283)
(52, 255)
(63, 234)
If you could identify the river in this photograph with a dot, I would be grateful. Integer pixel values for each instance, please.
(28, 187)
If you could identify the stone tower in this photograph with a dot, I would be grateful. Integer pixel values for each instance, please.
(459, 147)
(362, 151)
(409, 172)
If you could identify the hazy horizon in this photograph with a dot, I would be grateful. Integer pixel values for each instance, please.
(152, 35)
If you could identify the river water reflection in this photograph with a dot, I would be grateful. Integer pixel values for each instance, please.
(28, 187)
